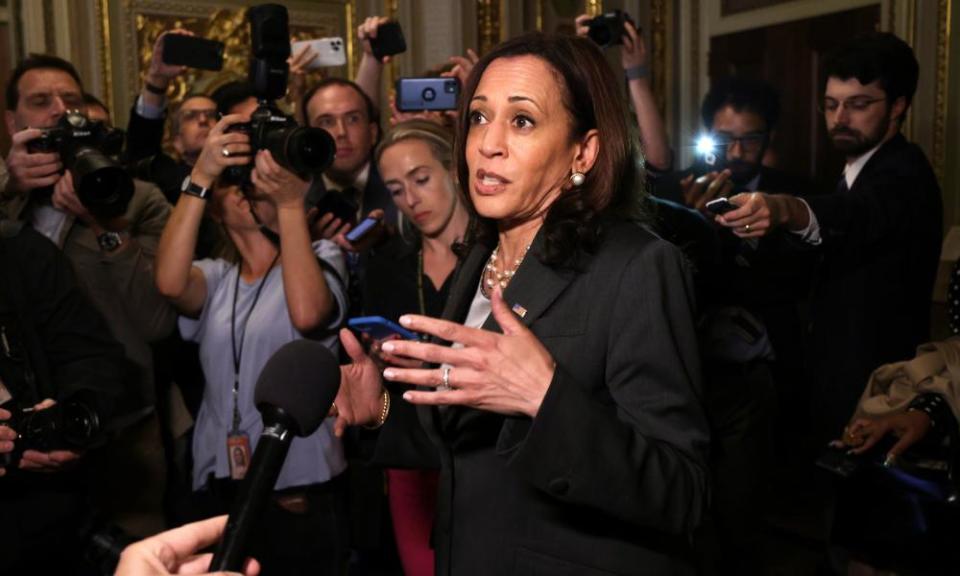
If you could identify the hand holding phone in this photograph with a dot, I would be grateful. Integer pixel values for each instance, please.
(418, 94)
(389, 40)
(362, 229)
(720, 206)
(192, 52)
(328, 52)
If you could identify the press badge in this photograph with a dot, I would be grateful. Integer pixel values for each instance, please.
(238, 452)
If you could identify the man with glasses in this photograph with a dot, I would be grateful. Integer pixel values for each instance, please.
(878, 234)
(749, 314)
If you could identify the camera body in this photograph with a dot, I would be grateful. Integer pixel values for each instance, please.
(70, 425)
(302, 150)
(608, 29)
(85, 148)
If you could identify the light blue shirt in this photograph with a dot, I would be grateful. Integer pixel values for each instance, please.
(314, 459)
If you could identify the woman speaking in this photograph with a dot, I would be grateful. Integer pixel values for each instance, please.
(561, 387)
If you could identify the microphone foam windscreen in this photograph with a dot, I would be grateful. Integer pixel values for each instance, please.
(302, 379)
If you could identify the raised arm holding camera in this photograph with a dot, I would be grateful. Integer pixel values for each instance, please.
(252, 177)
(617, 28)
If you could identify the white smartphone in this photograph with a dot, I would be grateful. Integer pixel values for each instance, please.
(329, 51)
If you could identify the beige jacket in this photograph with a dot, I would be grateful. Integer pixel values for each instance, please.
(120, 284)
(936, 368)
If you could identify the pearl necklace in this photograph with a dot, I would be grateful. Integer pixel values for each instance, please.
(493, 276)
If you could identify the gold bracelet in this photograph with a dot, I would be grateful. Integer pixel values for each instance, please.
(384, 411)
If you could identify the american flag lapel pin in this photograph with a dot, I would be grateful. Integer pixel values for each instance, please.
(519, 310)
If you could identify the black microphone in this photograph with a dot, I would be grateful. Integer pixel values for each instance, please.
(294, 394)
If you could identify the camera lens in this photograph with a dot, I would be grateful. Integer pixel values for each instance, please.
(450, 86)
(103, 187)
(429, 94)
(303, 150)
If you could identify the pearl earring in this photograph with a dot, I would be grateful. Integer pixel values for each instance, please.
(578, 178)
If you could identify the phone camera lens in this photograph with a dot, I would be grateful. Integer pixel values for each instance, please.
(429, 94)
(450, 87)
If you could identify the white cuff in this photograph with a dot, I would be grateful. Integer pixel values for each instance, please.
(150, 112)
(810, 234)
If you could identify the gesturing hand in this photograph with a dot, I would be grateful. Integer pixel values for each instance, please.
(176, 551)
(507, 373)
(358, 401)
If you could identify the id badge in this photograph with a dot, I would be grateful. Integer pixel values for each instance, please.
(238, 452)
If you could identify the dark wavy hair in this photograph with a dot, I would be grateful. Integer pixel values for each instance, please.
(876, 56)
(742, 94)
(591, 94)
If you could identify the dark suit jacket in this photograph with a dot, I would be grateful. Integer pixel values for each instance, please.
(610, 477)
(871, 302)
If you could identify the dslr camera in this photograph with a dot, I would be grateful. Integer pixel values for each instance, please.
(303, 150)
(85, 148)
(69, 425)
(607, 29)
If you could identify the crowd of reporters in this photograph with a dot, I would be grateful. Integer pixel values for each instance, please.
(156, 299)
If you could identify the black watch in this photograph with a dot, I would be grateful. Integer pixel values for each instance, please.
(109, 241)
(189, 187)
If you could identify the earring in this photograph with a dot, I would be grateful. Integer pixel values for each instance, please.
(578, 178)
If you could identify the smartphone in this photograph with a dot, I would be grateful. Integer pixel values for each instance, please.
(379, 328)
(340, 207)
(192, 52)
(389, 40)
(720, 206)
(329, 51)
(415, 94)
(362, 229)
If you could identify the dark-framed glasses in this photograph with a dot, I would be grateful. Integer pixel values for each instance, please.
(853, 104)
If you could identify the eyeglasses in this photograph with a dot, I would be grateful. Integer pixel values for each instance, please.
(854, 104)
(753, 141)
(199, 113)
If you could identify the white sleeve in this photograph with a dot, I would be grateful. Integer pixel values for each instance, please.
(810, 234)
(149, 112)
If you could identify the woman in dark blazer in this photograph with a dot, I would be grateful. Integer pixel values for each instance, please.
(566, 412)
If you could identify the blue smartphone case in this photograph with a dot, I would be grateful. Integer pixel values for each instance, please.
(378, 328)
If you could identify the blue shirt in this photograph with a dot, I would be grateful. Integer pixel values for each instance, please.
(311, 460)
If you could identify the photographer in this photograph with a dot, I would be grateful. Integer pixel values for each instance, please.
(280, 288)
(56, 353)
(108, 227)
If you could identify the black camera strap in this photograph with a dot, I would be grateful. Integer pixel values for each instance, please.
(237, 348)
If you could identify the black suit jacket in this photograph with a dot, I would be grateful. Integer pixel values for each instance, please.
(610, 477)
(871, 301)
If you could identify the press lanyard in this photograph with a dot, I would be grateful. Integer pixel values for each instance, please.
(238, 350)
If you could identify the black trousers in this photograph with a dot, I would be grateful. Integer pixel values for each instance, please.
(304, 530)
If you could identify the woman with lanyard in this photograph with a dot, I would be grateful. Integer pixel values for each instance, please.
(279, 288)
(413, 273)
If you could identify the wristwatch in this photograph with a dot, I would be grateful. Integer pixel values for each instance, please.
(109, 241)
(189, 187)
